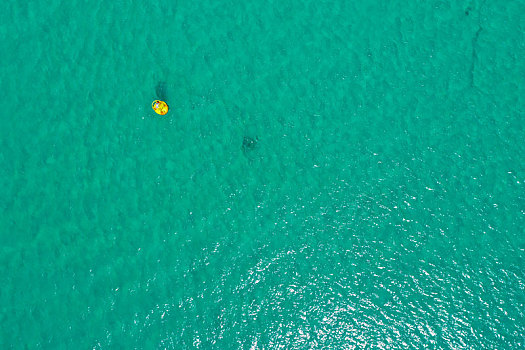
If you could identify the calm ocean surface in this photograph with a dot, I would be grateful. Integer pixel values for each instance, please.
(331, 174)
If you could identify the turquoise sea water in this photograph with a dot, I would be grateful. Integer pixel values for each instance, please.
(378, 203)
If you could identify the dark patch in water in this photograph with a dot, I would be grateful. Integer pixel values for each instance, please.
(249, 143)
(161, 91)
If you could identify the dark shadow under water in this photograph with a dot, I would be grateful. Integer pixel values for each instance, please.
(249, 143)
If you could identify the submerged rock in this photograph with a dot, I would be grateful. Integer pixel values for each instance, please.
(249, 143)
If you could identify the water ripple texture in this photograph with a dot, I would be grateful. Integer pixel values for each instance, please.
(330, 175)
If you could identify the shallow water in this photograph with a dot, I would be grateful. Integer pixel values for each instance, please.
(381, 206)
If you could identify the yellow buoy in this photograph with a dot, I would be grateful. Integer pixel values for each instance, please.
(160, 107)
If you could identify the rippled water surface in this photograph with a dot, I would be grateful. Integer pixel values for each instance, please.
(331, 175)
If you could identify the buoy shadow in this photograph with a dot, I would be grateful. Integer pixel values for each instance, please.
(161, 90)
